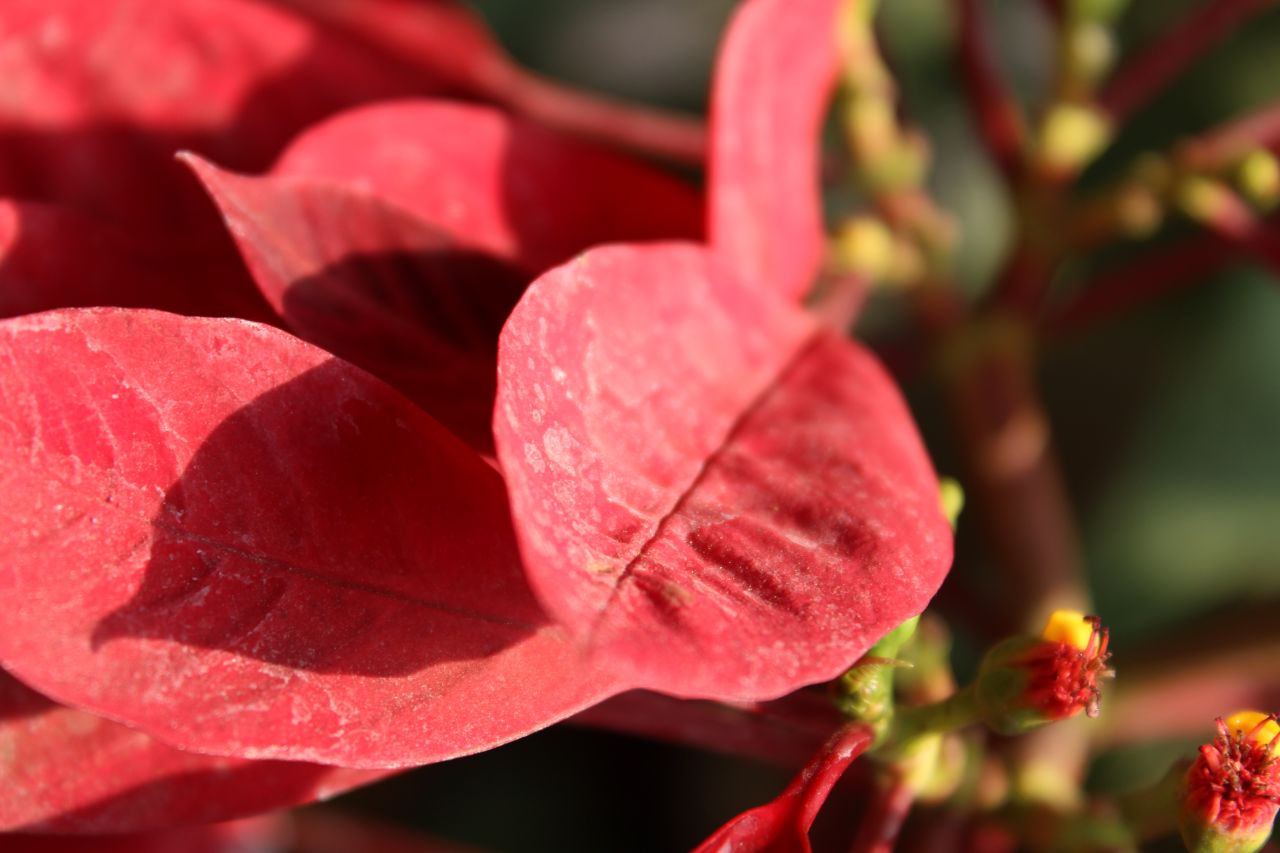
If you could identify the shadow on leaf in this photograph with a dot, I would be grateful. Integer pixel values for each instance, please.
(327, 526)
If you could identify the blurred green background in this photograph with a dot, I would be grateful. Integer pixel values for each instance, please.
(1167, 421)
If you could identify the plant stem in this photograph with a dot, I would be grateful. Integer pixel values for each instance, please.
(1159, 273)
(644, 129)
(1143, 76)
(1019, 499)
(998, 118)
(958, 710)
(1215, 149)
(1021, 506)
(1164, 271)
(885, 815)
(443, 43)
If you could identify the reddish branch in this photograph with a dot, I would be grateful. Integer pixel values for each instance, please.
(1014, 481)
(1118, 291)
(884, 818)
(638, 128)
(1143, 76)
(422, 33)
(1217, 148)
(1012, 475)
(997, 115)
(1022, 282)
(1166, 271)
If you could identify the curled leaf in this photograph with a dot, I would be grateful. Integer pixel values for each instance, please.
(774, 78)
(782, 825)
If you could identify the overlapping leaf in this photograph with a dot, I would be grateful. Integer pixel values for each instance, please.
(774, 76)
(52, 256)
(499, 184)
(441, 38)
(125, 781)
(242, 836)
(245, 546)
(377, 286)
(99, 95)
(716, 497)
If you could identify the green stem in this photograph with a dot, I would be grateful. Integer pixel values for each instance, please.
(958, 710)
(865, 692)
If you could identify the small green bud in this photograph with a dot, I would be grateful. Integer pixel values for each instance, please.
(1200, 198)
(1072, 135)
(864, 245)
(951, 496)
(865, 692)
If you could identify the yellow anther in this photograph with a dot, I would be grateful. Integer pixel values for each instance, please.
(1262, 727)
(1069, 626)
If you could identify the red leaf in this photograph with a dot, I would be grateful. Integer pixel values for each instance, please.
(242, 836)
(786, 731)
(782, 825)
(54, 257)
(332, 831)
(68, 771)
(101, 93)
(717, 497)
(376, 286)
(773, 82)
(244, 546)
(498, 184)
(441, 37)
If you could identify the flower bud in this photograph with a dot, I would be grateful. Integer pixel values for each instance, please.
(1026, 682)
(1071, 136)
(1258, 175)
(1232, 791)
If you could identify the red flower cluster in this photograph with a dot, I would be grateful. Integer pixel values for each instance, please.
(1064, 675)
(1233, 787)
(1026, 681)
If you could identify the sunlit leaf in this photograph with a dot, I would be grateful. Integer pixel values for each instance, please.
(497, 184)
(63, 770)
(774, 77)
(245, 546)
(718, 498)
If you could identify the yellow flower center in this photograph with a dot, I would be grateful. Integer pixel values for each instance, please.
(1069, 626)
(1259, 727)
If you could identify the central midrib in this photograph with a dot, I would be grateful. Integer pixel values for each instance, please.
(788, 365)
